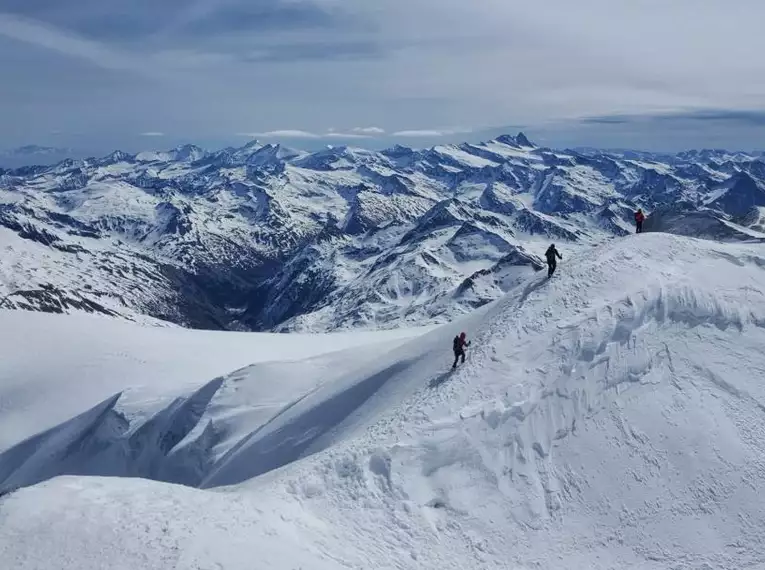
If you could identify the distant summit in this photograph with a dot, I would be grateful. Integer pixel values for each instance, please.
(523, 140)
(520, 140)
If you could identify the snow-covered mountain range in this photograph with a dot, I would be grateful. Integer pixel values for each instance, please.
(264, 237)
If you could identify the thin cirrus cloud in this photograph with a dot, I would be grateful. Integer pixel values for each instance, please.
(429, 133)
(355, 133)
(368, 130)
(40, 35)
(202, 68)
(358, 132)
(152, 134)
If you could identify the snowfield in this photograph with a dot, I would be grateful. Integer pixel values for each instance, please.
(97, 357)
(611, 417)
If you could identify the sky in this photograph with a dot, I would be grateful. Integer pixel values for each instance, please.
(652, 74)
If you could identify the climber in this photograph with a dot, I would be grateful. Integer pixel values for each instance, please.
(551, 261)
(458, 346)
(639, 217)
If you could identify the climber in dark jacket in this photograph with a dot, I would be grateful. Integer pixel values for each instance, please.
(458, 346)
(550, 254)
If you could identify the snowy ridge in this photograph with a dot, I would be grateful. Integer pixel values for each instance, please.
(611, 416)
(265, 237)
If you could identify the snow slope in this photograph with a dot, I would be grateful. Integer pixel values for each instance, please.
(612, 417)
(76, 361)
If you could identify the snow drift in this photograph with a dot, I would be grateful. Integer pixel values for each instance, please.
(610, 417)
(155, 411)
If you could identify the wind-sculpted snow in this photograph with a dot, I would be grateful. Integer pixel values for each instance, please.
(102, 441)
(610, 417)
(265, 237)
(47, 455)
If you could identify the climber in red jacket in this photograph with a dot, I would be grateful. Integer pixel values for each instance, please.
(639, 217)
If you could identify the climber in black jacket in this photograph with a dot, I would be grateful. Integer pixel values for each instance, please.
(550, 254)
(458, 346)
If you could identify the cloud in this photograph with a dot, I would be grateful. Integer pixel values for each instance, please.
(421, 133)
(176, 19)
(96, 19)
(202, 68)
(284, 134)
(45, 36)
(430, 133)
(607, 120)
(368, 130)
(152, 134)
(305, 51)
(258, 16)
(667, 131)
(744, 117)
(357, 133)
(341, 135)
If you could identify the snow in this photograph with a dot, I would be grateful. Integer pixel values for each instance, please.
(113, 170)
(463, 157)
(757, 220)
(101, 199)
(28, 267)
(610, 417)
(653, 166)
(99, 356)
(509, 152)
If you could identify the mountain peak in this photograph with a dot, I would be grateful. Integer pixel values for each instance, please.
(523, 140)
(188, 153)
(520, 140)
(114, 157)
(187, 147)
